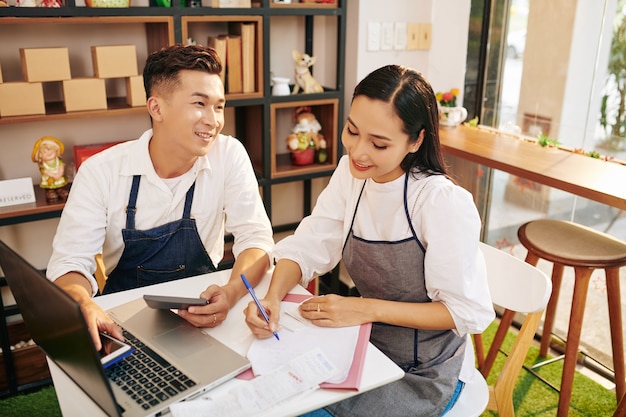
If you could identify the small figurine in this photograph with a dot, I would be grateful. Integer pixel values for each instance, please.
(305, 139)
(321, 155)
(304, 79)
(51, 3)
(47, 153)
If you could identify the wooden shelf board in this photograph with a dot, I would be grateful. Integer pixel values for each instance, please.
(40, 206)
(56, 111)
(284, 167)
(334, 5)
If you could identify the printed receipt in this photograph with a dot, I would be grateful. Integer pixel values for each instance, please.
(300, 374)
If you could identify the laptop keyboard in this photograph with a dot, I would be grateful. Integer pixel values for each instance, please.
(146, 376)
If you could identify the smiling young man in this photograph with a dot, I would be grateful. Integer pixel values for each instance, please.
(157, 208)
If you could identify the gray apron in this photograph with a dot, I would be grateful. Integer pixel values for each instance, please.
(431, 359)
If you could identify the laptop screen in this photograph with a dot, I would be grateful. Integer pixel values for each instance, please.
(56, 324)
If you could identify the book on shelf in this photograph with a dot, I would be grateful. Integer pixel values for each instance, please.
(234, 80)
(82, 152)
(231, 3)
(248, 46)
(219, 44)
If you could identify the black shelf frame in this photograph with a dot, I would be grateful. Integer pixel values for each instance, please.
(266, 10)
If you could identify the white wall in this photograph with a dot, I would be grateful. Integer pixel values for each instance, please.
(443, 65)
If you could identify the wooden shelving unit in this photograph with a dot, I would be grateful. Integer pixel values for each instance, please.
(257, 115)
(255, 111)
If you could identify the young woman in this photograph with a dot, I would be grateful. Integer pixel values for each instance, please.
(408, 237)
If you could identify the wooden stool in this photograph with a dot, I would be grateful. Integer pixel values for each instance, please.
(568, 244)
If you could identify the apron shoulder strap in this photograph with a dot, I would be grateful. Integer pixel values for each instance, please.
(131, 208)
(422, 183)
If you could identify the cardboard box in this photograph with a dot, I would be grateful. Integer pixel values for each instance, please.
(231, 3)
(114, 61)
(30, 99)
(84, 94)
(0, 74)
(135, 92)
(45, 64)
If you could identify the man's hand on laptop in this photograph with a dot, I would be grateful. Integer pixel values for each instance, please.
(98, 321)
(78, 287)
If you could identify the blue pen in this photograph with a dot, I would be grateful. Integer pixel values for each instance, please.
(258, 303)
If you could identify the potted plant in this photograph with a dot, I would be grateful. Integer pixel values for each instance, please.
(449, 113)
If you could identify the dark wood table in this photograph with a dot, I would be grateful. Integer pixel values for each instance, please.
(595, 179)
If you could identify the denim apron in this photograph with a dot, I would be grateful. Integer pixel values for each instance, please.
(164, 253)
(432, 359)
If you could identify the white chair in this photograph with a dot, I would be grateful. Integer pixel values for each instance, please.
(517, 286)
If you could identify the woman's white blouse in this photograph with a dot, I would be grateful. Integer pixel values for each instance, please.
(445, 220)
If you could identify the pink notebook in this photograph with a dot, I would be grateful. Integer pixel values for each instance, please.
(353, 381)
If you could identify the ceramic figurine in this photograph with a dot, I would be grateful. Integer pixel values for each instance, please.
(51, 3)
(47, 153)
(304, 79)
(305, 139)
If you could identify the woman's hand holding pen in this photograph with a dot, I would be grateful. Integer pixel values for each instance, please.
(334, 311)
(255, 321)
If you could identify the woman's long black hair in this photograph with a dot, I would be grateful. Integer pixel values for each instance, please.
(414, 102)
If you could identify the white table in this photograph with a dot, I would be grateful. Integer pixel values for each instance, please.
(378, 370)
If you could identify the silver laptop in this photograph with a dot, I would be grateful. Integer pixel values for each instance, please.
(173, 360)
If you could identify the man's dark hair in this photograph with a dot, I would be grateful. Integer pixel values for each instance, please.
(162, 67)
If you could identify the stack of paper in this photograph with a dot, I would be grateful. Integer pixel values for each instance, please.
(345, 347)
(300, 374)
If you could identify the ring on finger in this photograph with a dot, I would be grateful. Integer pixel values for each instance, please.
(214, 318)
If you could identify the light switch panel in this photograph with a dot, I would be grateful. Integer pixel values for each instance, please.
(412, 36)
(373, 36)
(399, 39)
(425, 35)
(387, 36)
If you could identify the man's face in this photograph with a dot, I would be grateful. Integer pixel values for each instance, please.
(191, 115)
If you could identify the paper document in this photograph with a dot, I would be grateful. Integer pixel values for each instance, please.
(337, 343)
(302, 373)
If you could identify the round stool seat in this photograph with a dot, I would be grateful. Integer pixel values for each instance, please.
(569, 244)
(572, 244)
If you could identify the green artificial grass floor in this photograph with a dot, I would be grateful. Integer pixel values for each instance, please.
(532, 397)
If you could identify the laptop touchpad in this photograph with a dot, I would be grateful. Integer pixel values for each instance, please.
(183, 341)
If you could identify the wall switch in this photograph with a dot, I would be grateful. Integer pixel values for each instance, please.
(399, 39)
(387, 35)
(412, 36)
(373, 36)
(425, 36)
